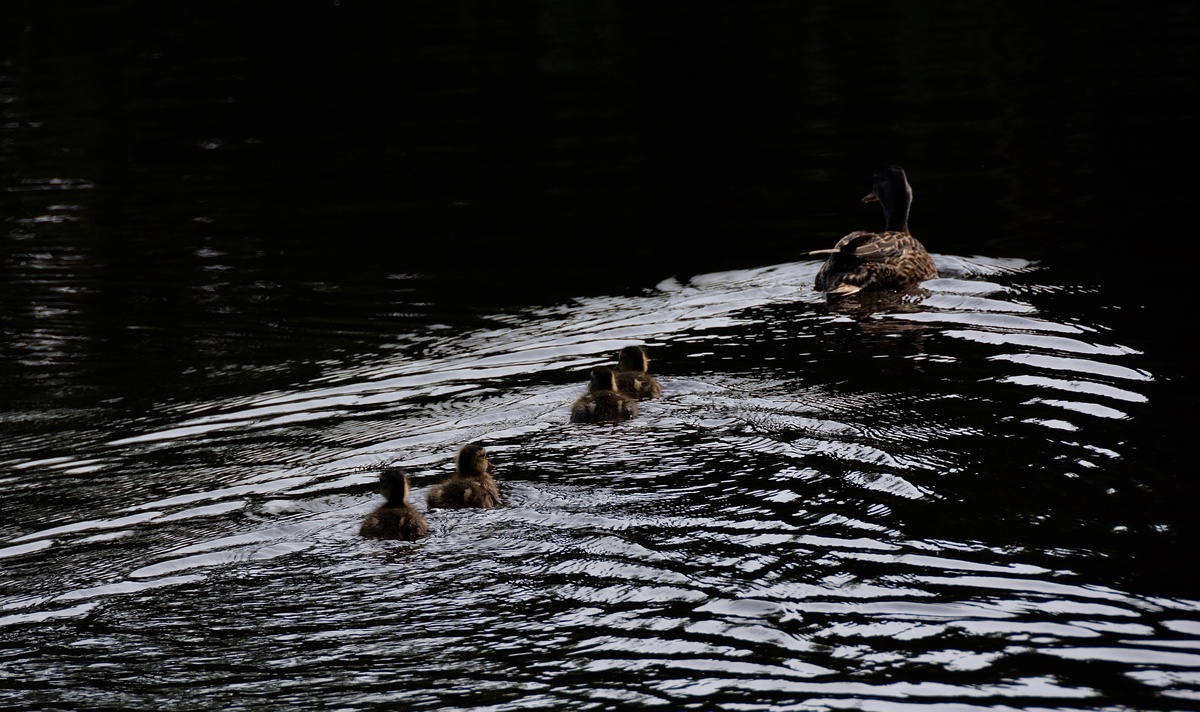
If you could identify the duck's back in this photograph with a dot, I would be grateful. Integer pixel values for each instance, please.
(459, 492)
(638, 384)
(875, 260)
(388, 522)
(603, 407)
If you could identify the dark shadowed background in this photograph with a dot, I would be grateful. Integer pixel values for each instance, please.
(251, 250)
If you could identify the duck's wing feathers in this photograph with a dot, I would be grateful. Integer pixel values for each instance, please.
(485, 493)
(874, 246)
(875, 260)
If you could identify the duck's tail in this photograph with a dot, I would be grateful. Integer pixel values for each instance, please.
(843, 290)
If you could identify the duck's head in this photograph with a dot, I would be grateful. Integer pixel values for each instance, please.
(892, 191)
(472, 460)
(633, 358)
(602, 379)
(393, 485)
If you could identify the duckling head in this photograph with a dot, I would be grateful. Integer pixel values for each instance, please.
(602, 379)
(633, 358)
(472, 460)
(393, 485)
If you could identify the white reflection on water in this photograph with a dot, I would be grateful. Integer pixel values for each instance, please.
(1084, 366)
(819, 508)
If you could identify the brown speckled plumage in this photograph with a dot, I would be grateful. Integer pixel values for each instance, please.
(603, 403)
(471, 485)
(891, 260)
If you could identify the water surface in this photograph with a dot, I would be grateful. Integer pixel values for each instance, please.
(237, 282)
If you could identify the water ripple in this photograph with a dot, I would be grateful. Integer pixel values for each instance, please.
(771, 529)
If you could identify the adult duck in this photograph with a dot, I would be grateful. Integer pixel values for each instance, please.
(395, 518)
(603, 403)
(892, 260)
(471, 485)
(633, 377)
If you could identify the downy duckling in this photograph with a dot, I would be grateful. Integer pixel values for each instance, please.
(471, 485)
(395, 518)
(603, 403)
(891, 260)
(633, 377)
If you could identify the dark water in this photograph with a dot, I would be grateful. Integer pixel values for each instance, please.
(251, 252)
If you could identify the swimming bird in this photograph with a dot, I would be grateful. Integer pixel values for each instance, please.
(395, 518)
(876, 261)
(471, 485)
(603, 403)
(633, 378)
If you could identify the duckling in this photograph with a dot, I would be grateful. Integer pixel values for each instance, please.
(395, 518)
(471, 485)
(633, 378)
(875, 261)
(603, 403)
